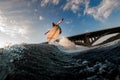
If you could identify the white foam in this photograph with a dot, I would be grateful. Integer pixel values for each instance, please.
(66, 43)
(79, 48)
(68, 46)
(102, 39)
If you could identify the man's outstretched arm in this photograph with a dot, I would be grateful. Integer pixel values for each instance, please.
(60, 21)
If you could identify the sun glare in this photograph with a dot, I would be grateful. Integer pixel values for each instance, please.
(2, 45)
(5, 44)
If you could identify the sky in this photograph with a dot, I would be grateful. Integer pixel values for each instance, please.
(26, 21)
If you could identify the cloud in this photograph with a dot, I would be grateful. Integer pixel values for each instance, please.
(73, 5)
(103, 10)
(10, 4)
(41, 18)
(15, 19)
(69, 21)
(11, 27)
(100, 12)
(18, 22)
(45, 2)
(34, 1)
(86, 31)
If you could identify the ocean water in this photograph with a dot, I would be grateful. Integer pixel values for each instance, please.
(52, 62)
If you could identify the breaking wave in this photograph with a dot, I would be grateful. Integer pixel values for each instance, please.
(48, 62)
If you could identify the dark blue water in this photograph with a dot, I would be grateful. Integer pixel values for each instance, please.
(47, 62)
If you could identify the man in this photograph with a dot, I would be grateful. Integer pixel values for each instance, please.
(54, 32)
